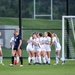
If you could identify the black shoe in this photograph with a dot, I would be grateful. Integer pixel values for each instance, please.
(39, 63)
(29, 64)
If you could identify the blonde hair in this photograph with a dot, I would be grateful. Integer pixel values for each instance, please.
(17, 30)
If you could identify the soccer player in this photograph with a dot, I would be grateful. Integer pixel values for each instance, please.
(47, 47)
(37, 48)
(30, 50)
(55, 41)
(43, 51)
(1, 58)
(12, 43)
(17, 47)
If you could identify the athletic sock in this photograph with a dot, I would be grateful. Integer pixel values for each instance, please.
(44, 60)
(29, 58)
(12, 60)
(48, 60)
(21, 60)
(36, 59)
(39, 59)
(33, 58)
(57, 59)
(1, 59)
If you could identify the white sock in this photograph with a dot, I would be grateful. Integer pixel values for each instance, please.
(48, 60)
(17, 59)
(39, 59)
(36, 59)
(1, 59)
(29, 59)
(57, 60)
(33, 58)
(44, 60)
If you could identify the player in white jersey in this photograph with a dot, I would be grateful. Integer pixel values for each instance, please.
(1, 58)
(37, 48)
(43, 51)
(55, 41)
(30, 50)
(47, 47)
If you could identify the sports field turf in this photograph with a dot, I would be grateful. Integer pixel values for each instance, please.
(67, 69)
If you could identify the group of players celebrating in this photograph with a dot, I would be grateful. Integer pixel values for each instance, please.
(39, 48)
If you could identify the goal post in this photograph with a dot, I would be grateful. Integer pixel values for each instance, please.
(71, 36)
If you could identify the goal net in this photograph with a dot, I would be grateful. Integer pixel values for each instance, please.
(68, 37)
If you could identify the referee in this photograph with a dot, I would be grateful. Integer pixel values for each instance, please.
(17, 47)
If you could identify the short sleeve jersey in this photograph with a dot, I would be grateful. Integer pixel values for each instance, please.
(17, 40)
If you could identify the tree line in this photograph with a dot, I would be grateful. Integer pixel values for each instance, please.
(10, 8)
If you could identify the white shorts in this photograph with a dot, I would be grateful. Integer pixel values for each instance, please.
(58, 47)
(48, 49)
(37, 49)
(29, 48)
(42, 48)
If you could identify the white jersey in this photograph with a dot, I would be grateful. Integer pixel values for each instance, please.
(30, 45)
(37, 48)
(56, 42)
(47, 46)
(41, 43)
(13, 42)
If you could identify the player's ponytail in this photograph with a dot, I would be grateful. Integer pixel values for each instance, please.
(49, 34)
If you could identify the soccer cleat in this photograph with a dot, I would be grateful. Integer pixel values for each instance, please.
(11, 65)
(21, 65)
(29, 64)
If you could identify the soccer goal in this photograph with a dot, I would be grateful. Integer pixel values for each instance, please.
(68, 36)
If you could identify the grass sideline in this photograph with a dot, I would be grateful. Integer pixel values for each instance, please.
(67, 69)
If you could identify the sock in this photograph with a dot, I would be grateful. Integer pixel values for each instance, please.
(33, 58)
(48, 60)
(29, 58)
(17, 59)
(12, 60)
(1, 59)
(57, 60)
(36, 59)
(44, 60)
(39, 59)
(21, 60)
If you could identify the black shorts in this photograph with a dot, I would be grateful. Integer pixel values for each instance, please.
(16, 48)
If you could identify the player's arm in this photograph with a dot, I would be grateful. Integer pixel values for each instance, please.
(20, 43)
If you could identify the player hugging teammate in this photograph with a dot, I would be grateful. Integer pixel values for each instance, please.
(39, 46)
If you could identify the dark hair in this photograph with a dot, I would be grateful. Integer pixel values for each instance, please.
(49, 34)
(40, 34)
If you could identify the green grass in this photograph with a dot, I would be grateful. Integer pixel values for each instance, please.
(67, 69)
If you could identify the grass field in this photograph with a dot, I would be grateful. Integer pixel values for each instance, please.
(67, 69)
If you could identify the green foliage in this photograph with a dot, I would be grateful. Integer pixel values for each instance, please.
(10, 8)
